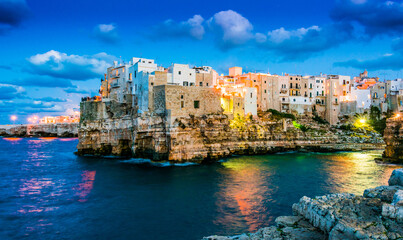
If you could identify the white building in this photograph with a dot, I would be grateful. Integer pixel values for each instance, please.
(182, 75)
(363, 98)
(250, 101)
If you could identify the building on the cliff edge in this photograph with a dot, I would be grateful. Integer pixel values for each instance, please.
(60, 119)
(180, 90)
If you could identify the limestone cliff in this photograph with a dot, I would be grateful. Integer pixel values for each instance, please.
(393, 137)
(40, 130)
(106, 130)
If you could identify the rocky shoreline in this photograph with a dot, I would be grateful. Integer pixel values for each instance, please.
(40, 130)
(378, 214)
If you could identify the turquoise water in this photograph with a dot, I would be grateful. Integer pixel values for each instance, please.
(49, 193)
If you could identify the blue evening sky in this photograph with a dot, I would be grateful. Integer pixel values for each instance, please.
(52, 53)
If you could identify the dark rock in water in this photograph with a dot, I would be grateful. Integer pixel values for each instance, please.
(376, 215)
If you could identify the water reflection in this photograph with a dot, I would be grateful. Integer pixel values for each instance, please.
(354, 171)
(85, 187)
(243, 195)
(12, 139)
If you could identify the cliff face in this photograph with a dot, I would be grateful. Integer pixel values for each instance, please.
(393, 137)
(203, 138)
(40, 130)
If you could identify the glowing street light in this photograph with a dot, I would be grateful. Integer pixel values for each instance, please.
(13, 118)
(362, 120)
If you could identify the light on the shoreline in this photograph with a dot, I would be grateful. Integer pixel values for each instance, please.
(13, 118)
(362, 120)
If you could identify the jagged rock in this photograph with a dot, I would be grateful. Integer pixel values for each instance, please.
(393, 137)
(398, 198)
(396, 178)
(385, 193)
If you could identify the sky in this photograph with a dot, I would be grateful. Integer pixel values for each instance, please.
(52, 53)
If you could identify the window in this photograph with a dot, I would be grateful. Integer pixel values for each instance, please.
(185, 84)
(182, 104)
(264, 91)
(238, 104)
(264, 81)
(135, 74)
(181, 96)
(251, 95)
(201, 84)
(152, 84)
(196, 104)
(294, 99)
(207, 84)
(190, 74)
(130, 76)
(179, 72)
(310, 94)
(290, 85)
(123, 70)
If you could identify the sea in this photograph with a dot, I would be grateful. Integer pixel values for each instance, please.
(47, 192)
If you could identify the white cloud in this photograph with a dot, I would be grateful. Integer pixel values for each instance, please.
(75, 67)
(196, 26)
(106, 33)
(234, 28)
(280, 35)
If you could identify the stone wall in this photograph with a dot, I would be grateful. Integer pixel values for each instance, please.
(180, 101)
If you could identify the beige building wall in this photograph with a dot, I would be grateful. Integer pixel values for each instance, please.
(205, 79)
(235, 71)
(181, 101)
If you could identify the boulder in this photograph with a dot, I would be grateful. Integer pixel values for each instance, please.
(385, 193)
(396, 178)
(398, 198)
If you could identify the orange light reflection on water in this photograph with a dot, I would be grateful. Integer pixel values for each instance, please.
(12, 139)
(355, 171)
(84, 188)
(243, 189)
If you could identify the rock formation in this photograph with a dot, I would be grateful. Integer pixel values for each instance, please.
(393, 137)
(113, 129)
(378, 214)
(40, 130)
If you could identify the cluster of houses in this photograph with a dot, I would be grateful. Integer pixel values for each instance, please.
(180, 90)
(75, 118)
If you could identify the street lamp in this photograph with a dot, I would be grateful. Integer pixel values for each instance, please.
(13, 118)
